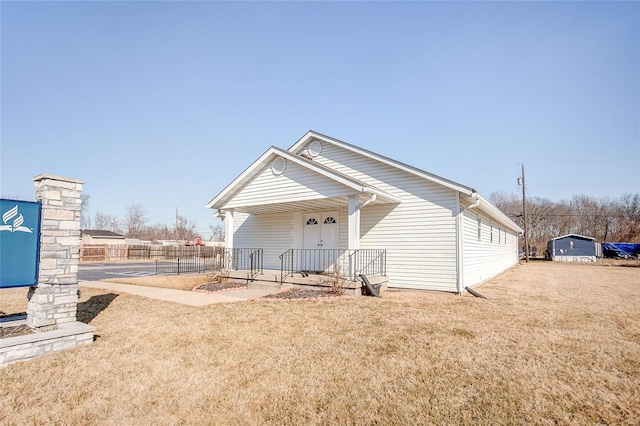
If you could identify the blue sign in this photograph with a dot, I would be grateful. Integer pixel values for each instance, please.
(19, 243)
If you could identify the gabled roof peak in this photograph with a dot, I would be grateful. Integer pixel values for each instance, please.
(312, 134)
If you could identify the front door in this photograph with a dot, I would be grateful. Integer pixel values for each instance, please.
(320, 242)
(321, 230)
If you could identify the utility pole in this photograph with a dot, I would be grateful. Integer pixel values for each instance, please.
(524, 215)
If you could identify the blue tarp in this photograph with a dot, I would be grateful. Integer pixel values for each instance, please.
(620, 249)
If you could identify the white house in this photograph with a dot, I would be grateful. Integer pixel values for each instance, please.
(326, 199)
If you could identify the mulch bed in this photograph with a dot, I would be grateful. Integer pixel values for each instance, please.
(13, 331)
(212, 286)
(299, 293)
(293, 294)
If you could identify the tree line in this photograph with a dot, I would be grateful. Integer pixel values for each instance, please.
(606, 219)
(134, 224)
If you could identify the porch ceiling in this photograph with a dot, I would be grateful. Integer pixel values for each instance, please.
(302, 206)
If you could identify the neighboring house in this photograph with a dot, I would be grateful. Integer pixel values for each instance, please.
(323, 196)
(572, 248)
(96, 236)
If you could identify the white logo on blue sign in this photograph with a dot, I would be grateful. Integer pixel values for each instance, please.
(16, 225)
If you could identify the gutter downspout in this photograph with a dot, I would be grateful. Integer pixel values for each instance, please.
(460, 239)
(474, 194)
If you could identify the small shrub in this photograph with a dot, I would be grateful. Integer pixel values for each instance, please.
(334, 278)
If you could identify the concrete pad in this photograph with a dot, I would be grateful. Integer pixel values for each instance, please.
(190, 298)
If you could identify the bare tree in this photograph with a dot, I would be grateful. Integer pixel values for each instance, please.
(107, 222)
(135, 220)
(185, 228)
(157, 232)
(629, 216)
(217, 233)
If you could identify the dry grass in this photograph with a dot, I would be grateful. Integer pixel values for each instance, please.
(175, 282)
(553, 344)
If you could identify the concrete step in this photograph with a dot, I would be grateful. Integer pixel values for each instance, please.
(266, 285)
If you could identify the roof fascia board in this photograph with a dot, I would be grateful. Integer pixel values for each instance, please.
(381, 158)
(573, 235)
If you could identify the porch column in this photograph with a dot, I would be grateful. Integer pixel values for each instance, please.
(353, 238)
(228, 229)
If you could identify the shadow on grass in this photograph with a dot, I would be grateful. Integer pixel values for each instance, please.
(90, 309)
(5, 316)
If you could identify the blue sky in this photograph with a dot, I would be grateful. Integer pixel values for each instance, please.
(164, 103)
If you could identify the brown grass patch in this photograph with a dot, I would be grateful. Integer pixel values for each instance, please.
(174, 282)
(555, 343)
(633, 263)
(13, 301)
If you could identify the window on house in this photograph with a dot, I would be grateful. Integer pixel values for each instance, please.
(329, 220)
(491, 232)
(312, 221)
(479, 229)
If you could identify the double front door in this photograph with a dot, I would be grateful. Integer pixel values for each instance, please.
(320, 234)
(320, 230)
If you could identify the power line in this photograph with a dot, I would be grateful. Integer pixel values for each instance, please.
(599, 160)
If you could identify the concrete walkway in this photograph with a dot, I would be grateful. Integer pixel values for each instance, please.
(190, 298)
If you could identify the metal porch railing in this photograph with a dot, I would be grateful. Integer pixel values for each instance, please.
(347, 264)
(235, 259)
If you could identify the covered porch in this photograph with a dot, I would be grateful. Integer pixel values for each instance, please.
(302, 266)
(303, 218)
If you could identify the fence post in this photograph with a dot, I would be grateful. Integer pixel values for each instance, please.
(178, 265)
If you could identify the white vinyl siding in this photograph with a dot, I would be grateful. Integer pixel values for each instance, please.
(419, 234)
(483, 258)
(272, 233)
(295, 184)
(276, 233)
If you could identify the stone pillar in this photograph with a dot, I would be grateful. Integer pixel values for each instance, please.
(54, 300)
